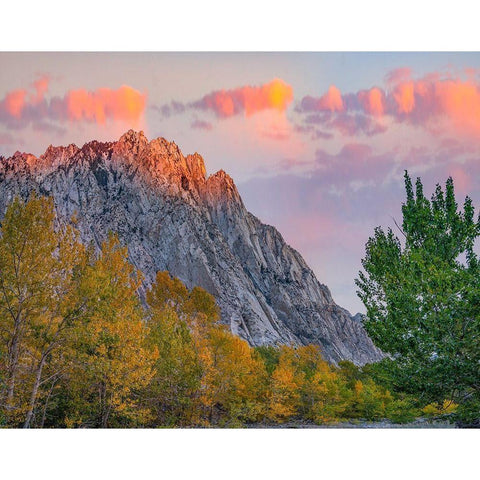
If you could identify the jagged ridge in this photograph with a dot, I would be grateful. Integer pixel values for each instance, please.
(171, 216)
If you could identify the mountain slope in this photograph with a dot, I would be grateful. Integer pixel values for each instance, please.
(172, 217)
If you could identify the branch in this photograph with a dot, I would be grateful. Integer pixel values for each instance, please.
(402, 232)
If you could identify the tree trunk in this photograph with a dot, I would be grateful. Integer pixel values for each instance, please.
(13, 354)
(104, 407)
(47, 400)
(33, 397)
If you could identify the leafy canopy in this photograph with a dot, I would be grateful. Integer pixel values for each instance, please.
(422, 296)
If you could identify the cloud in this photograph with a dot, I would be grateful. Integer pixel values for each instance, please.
(347, 124)
(14, 102)
(321, 134)
(404, 96)
(372, 101)
(459, 101)
(351, 125)
(247, 100)
(41, 88)
(20, 108)
(124, 104)
(169, 109)
(398, 75)
(201, 125)
(438, 102)
(272, 98)
(329, 102)
(315, 133)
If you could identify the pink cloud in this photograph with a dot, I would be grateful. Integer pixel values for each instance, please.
(14, 102)
(41, 88)
(276, 95)
(404, 96)
(21, 107)
(437, 102)
(329, 102)
(372, 101)
(398, 75)
(125, 104)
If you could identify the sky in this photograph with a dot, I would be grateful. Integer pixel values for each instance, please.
(317, 143)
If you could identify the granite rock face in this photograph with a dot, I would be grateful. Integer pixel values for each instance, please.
(172, 217)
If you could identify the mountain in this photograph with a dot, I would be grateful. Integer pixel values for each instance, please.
(172, 217)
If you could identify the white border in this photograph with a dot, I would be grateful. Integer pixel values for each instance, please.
(249, 25)
(252, 25)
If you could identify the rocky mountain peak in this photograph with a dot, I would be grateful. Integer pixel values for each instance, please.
(196, 166)
(56, 156)
(172, 217)
(132, 142)
(221, 189)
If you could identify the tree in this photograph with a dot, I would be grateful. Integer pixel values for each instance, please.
(304, 384)
(363, 397)
(233, 376)
(172, 394)
(203, 373)
(422, 297)
(171, 292)
(109, 363)
(39, 267)
(284, 388)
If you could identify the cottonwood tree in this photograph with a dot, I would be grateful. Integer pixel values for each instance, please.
(172, 393)
(203, 374)
(38, 267)
(109, 363)
(422, 296)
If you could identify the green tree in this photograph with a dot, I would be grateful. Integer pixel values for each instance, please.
(422, 296)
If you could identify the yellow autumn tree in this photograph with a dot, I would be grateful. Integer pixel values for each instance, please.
(168, 291)
(171, 394)
(213, 376)
(284, 389)
(302, 385)
(109, 362)
(39, 266)
(232, 385)
(321, 389)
